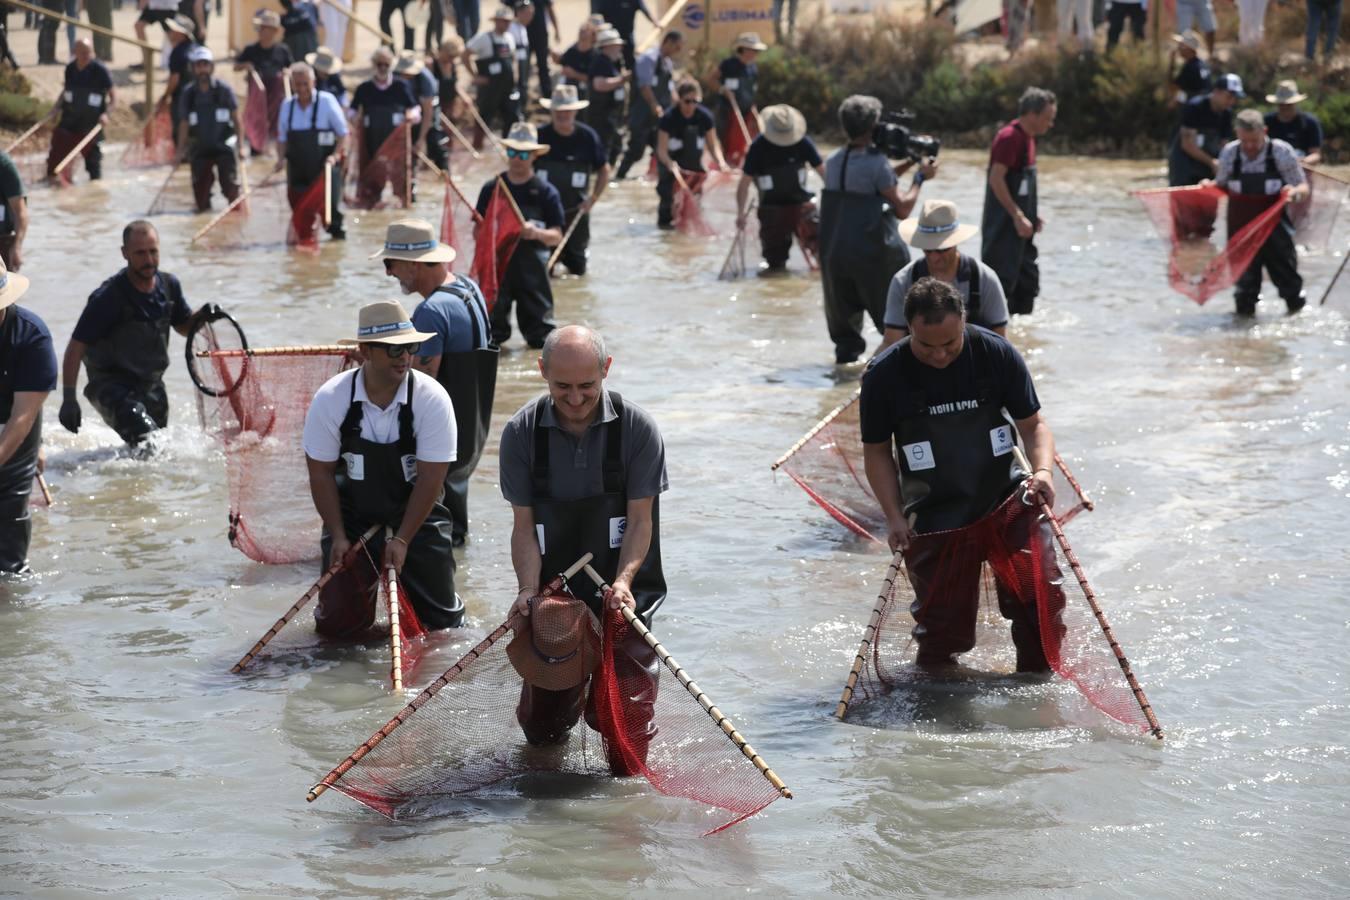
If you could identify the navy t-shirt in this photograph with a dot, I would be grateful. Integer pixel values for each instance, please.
(580, 60)
(582, 145)
(300, 18)
(535, 194)
(1303, 132)
(178, 62)
(94, 76)
(269, 62)
(674, 121)
(621, 14)
(735, 68)
(423, 85)
(104, 309)
(27, 358)
(1193, 78)
(765, 156)
(1198, 114)
(985, 358)
(332, 83)
(603, 67)
(398, 95)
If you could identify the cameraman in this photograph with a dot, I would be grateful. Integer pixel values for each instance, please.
(860, 245)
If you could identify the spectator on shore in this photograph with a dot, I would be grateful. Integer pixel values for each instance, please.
(1193, 78)
(1200, 15)
(1075, 16)
(1116, 15)
(1251, 22)
(1324, 17)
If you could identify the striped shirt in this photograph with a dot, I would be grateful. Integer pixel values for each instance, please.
(1286, 160)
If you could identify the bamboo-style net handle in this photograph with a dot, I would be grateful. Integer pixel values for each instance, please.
(557, 251)
(719, 719)
(93, 133)
(299, 350)
(829, 417)
(445, 176)
(458, 135)
(395, 642)
(870, 632)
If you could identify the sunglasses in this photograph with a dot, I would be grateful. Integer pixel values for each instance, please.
(689, 101)
(397, 350)
(518, 154)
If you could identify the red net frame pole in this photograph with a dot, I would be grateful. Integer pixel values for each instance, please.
(309, 595)
(391, 597)
(719, 719)
(1078, 572)
(869, 633)
(430, 691)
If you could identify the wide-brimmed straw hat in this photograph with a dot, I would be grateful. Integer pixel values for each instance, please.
(181, 24)
(749, 40)
(266, 18)
(413, 240)
(783, 125)
(385, 322)
(557, 646)
(1188, 38)
(12, 286)
(523, 136)
(936, 227)
(1286, 92)
(505, 12)
(608, 37)
(324, 60)
(564, 98)
(408, 64)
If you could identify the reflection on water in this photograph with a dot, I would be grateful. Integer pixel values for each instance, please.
(1216, 452)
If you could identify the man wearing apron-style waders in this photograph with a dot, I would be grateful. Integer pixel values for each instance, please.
(609, 93)
(737, 78)
(491, 55)
(377, 442)
(577, 166)
(1010, 222)
(379, 106)
(1206, 126)
(460, 354)
(208, 131)
(777, 163)
(583, 470)
(653, 94)
(84, 103)
(681, 136)
(953, 399)
(312, 139)
(1257, 170)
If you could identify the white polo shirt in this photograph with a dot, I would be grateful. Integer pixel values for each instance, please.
(433, 417)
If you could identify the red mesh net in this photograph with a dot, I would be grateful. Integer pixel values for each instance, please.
(308, 207)
(495, 240)
(258, 114)
(457, 228)
(687, 208)
(828, 464)
(1024, 570)
(463, 735)
(269, 217)
(391, 165)
(1200, 263)
(155, 145)
(738, 137)
(259, 424)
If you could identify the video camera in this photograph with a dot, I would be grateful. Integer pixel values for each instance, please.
(893, 137)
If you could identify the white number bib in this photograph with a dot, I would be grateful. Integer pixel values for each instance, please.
(539, 534)
(409, 461)
(356, 466)
(617, 526)
(919, 456)
(494, 68)
(222, 115)
(578, 179)
(1002, 440)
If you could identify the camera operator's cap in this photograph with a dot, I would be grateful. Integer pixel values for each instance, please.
(564, 98)
(608, 38)
(523, 136)
(408, 64)
(936, 227)
(1188, 38)
(1231, 83)
(504, 13)
(324, 60)
(385, 322)
(749, 40)
(181, 24)
(201, 54)
(267, 18)
(783, 125)
(1286, 92)
(557, 646)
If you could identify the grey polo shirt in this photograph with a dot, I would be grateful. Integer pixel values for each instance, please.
(993, 304)
(576, 465)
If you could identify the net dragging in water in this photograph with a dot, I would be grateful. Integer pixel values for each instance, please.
(267, 218)
(495, 238)
(462, 735)
(259, 422)
(155, 146)
(1027, 582)
(390, 165)
(827, 463)
(1315, 218)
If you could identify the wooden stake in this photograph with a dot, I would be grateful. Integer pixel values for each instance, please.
(409, 173)
(501, 180)
(740, 121)
(307, 596)
(1078, 572)
(458, 135)
(79, 148)
(661, 25)
(884, 597)
(327, 194)
(257, 81)
(445, 176)
(395, 641)
(430, 691)
(237, 201)
(716, 714)
(46, 491)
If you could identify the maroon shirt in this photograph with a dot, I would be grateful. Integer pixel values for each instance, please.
(1013, 147)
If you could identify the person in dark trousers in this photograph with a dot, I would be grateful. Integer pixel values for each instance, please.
(379, 106)
(520, 32)
(328, 74)
(460, 354)
(387, 10)
(609, 93)
(427, 92)
(491, 56)
(681, 136)
(577, 166)
(525, 283)
(622, 17)
(47, 31)
(85, 100)
(466, 18)
(208, 131)
(27, 376)
(445, 70)
(1206, 125)
(1010, 222)
(860, 245)
(300, 24)
(776, 165)
(1256, 171)
(122, 338)
(583, 469)
(378, 440)
(100, 14)
(270, 60)
(1120, 12)
(179, 33)
(312, 135)
(737, 78)
(654, 94)
(544, 15)
(13, 213)
(1193, 77)
(941, 413)
(1300, 130)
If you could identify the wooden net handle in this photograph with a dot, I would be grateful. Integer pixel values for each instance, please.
(870, 632)
(395, 642)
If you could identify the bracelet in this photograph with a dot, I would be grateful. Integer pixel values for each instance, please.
(1045, 469)
(522, 590)
(399, 539)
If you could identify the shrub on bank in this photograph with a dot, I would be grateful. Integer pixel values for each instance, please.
(18, 108)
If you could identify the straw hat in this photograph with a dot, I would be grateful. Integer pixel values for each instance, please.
(1286, 92)
(608, 38)
(201, 54)
(266, 18)
(413, 240)
(417, 13)
(385, 322)
(506, 13)
(936, 227)
(181, 24)
(564, 98)
(749, 40)
(783, 125)
(12, 286)
(1189, 38)
(598, 22)
(522, 136)
(324, 60)
(557, 646)
(408, 64)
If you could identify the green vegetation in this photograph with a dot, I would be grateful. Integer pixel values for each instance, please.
(18, 107)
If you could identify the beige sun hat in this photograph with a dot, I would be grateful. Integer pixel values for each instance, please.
(413, 240)
(749, 40)
(181, 24)
(609, 37)
(408, 64)
(324, 60)
(385, 322)
(505, 12)
(783, 125)
(564, 98)
(1188, 38)
(936, 227)
(12, 286)
(1286, 92)
(523, 136)
(266, 18)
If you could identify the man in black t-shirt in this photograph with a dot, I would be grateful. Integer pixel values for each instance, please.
(1193, 78)
(1299, 130)
(622, 16)
(380, 106)
(736, 77)
(179, 31)
(680, 137)
(608, 93)
(86, 97)
(776, 165)
(270, 60)
(577, 166)
(953, 399)
(1206, 126)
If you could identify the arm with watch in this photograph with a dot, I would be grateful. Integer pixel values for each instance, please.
(426, 491)
(903, 203)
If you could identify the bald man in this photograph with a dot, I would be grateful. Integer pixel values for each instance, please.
(84, 104)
